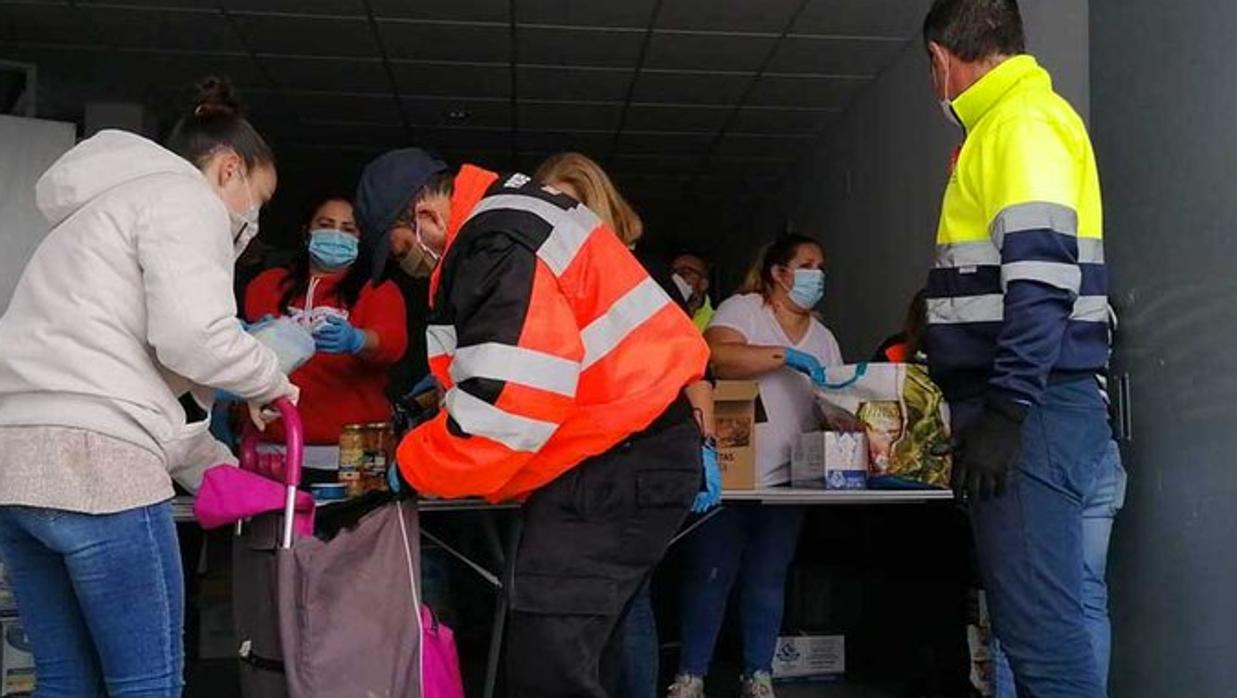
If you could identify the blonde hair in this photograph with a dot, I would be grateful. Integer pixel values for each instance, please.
(596, 191)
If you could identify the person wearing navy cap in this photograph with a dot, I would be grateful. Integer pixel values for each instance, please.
(564, 366)
(387, 187)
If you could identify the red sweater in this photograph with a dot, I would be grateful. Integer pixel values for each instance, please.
(337, 389)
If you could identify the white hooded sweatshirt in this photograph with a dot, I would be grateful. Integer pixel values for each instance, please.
(127, 305)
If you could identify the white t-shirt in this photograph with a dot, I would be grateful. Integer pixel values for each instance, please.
(785, 394)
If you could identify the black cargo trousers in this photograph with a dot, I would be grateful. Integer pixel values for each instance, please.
(591, 538)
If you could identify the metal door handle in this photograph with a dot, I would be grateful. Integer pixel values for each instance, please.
(1125, 409)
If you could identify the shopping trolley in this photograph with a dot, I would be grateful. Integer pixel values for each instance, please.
(334, 614)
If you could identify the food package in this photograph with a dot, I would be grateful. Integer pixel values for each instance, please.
(832, 460)
(903, 415)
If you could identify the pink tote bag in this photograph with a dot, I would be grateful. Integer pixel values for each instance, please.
(440, 663)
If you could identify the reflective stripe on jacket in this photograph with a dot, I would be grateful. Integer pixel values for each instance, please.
(1019, 289)
(552, 343)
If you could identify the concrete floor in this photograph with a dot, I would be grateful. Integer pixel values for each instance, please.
(838, 690)
(217, 679)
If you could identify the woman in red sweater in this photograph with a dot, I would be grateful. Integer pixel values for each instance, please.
(359, 331)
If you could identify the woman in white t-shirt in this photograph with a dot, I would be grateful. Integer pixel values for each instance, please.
(769, 334)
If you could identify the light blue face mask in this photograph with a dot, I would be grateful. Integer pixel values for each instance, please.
(809, 288)
(332, 249)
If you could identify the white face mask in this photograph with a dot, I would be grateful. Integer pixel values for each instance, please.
(684, 287)
(415, 264)
(947, 105)
(950, 115)
(244, 226)
(431, 256)
(420, 261)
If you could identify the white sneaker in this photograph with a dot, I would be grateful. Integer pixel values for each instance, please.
(686, 687)
(758, 685)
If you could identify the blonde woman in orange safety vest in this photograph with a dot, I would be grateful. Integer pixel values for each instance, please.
(582, 179)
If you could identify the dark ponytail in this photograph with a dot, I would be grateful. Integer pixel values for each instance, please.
(216, 120)
(778, 253)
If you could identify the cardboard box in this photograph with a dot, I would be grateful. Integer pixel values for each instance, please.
(734, 411)
(809, 656)
(831, 460)
(16, 660)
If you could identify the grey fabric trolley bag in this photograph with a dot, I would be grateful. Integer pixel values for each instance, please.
(333, 615)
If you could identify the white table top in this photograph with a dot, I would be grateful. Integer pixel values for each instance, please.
(791, 496)
(182, 507)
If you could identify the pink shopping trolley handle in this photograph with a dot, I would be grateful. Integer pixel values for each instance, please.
(294, 443)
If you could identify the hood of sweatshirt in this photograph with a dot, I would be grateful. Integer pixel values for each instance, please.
(101, 163)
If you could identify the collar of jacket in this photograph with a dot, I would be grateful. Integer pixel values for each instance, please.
(471, 183)
(978, 99)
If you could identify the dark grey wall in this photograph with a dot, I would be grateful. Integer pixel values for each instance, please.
(1164, 120)
(872, 194)
(1059, 36)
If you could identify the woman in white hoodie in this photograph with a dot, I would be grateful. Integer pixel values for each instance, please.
(122, 327)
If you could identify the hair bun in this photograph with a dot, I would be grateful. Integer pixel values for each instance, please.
(215, 97)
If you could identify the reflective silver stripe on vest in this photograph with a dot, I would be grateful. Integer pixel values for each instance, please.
(978, 254)
(571, 227)
(440, 340)
(991, 308)
(629, 312)
(1067, 277)
(967, 254)
(1033, 215)
(1090, 251)
(504, 362)
(479, 418)
(1091, 309)
(569, 235)
(966, 309)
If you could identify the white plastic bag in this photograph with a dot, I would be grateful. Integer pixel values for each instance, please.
(292, 342)
(904, 415)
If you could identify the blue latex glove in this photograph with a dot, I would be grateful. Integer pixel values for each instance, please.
(222, 396)
(337, 336)
(712, 494)
(425, 385)
(395, 481)
(805, 364)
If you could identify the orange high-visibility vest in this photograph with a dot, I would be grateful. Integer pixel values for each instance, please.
(550, 340)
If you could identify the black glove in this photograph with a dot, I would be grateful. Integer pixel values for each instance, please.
(989, 449)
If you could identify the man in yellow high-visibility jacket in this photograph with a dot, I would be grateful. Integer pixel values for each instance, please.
(1018, 336)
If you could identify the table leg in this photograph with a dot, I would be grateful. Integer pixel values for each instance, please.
(467, 561)
(696, 524)
(501, 606)
(492, 537)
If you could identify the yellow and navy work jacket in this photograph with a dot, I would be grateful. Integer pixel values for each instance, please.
(552, 342)
(1018, 295)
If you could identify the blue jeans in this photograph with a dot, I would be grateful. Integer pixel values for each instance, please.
(751, 545)
(640, 664)
(101, 598)
(1097, 518)
(1043, 547)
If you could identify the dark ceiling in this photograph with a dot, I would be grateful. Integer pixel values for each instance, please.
(691, 104)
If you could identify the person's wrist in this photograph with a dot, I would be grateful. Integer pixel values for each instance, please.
(359, 339)
(709, 441)
(794, 361)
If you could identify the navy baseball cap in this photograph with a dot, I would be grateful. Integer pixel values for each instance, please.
(386, 187)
